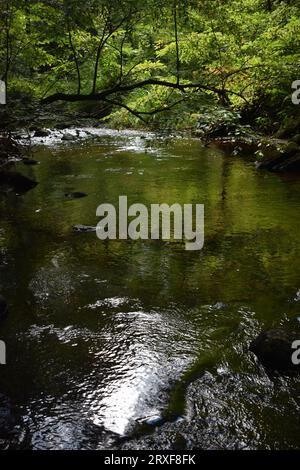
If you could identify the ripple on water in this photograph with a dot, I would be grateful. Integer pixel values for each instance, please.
(129, 370)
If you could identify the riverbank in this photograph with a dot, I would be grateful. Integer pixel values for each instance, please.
(25, 121)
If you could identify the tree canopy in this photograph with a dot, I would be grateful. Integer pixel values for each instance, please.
(146, 57)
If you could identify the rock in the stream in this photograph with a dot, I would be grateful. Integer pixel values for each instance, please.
(75, 195)
(68, 137)
(152, 421)
(84, 228)
(3, 307)
(41, 133)
(13, 181)
(274, 349)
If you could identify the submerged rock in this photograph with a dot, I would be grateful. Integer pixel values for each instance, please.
(75, 195)
(84, 228)
(3, 307)
(68, 137)
(13, 181)
(274, 349)
(30, 161)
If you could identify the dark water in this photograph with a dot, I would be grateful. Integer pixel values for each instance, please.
(100, 333)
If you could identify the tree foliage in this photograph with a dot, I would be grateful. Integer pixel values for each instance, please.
(144, 57)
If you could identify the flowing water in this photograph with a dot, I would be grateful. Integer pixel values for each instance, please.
(101, 333)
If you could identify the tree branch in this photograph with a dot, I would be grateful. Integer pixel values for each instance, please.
(103, 41)
(176, 41)
(130, 87)
(139, 114)
(74, 55)
(122, 105)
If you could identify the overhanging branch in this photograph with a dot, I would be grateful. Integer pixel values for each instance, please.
(133, 86)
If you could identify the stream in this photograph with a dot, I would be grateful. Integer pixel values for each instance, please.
(100, 333)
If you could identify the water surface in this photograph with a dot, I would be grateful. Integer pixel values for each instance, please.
(99, 333)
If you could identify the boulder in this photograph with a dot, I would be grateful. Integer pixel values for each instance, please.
(3, 307)
(274, 349)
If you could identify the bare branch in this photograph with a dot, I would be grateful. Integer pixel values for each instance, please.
(122, 105)
(104, 38)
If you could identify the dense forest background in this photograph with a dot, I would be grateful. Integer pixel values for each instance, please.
(170, 63)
